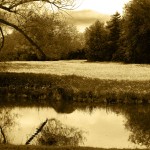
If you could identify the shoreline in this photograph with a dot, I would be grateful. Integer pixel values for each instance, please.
(31, 147)
(24, 88)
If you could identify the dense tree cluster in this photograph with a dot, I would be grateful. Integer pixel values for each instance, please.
(96, 36)
(16, 13)
(136, 31)
(128, 37)
(50, 33)
(102, 40)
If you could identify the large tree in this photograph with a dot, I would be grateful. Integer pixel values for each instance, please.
(96, 38)
(14, 13)
(136, 31)
(51, 33)
(114, 29)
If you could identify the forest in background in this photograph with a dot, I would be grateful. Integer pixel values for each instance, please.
(124, 38)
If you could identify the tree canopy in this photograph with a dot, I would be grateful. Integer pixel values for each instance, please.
(136, 31)
(114, 29)
(96, 37)
(14, 13)
(51, 33)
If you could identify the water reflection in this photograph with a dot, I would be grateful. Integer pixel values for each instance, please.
(63, 107)
(107, 126)
(138, 122)
(57, 134)
(7, 122)
(101, 126)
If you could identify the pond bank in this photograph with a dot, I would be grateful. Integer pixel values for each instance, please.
(42, 89)
(21, 147)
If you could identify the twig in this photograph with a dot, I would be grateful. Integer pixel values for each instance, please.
(37, 132)
(3, 39)
(3, 134)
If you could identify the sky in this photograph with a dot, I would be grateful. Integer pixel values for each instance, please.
(86, 12)
(102, 6)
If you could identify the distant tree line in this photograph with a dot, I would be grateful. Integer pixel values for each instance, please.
(124, 38)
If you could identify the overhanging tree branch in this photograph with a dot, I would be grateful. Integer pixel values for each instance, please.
(12, 8)
(26, 36)
(58, 4)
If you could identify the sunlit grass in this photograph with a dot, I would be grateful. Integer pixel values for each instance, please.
(100, 70)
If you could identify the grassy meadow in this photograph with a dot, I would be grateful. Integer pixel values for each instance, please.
(99, 70)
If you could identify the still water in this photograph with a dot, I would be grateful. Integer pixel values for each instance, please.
(106, 127)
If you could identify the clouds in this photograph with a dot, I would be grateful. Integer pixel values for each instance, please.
(84, 18)
(88, 11)
(103, 6)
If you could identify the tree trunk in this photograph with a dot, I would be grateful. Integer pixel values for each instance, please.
(3, 134)
(2, 45)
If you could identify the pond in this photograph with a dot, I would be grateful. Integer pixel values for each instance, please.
(103, 126)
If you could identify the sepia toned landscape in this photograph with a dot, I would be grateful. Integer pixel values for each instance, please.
(74, 75)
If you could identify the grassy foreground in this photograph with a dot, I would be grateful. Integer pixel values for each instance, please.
(13, 147)
(27, 88)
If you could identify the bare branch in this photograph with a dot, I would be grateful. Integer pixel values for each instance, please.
(3, 39)
(3, 134)
(17, 12)
(58, 4)
(25, 35)
(6, 8)
(37, 132)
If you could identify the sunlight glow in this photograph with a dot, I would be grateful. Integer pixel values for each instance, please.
(103, 6)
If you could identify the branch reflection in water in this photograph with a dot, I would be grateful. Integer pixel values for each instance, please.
(7, 122)
(57, 134)
(127, 125)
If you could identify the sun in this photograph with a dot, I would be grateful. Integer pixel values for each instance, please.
(103, 6)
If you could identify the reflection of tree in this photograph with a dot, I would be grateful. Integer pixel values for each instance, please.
(63, 107)
(138, 122)
(7, 121)
(58, 134)
(62, 100)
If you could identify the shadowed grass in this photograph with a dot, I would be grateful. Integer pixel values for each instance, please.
(13, 147)
(42, 89)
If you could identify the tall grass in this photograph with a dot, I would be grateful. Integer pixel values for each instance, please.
(26, 88)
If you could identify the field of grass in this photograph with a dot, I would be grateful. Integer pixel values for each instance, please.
(13, 147)
(43, 88)
(100, 70)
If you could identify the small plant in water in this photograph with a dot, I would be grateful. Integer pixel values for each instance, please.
(57, 134)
